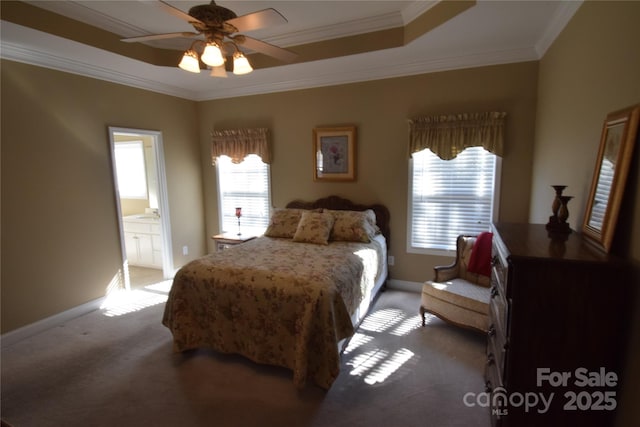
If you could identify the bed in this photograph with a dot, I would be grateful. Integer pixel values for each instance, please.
(291, 297)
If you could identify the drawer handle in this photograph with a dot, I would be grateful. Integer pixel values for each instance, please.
(495, 261)
(492, 331)
(494, 291)
(490, 359)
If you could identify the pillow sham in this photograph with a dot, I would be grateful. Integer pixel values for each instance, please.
(353, 226)
(314, 227)
(284, 223)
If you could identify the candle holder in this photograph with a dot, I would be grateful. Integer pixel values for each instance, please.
(558, 221)
(238, 215)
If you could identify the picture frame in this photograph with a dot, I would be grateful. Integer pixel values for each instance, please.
(334, 153)
(617, 140)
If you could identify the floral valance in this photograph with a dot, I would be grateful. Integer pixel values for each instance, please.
(448, 135)
(239, 143)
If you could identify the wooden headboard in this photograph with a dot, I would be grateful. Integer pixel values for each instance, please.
(338, 203)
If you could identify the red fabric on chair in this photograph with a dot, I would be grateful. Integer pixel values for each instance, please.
(480, 259)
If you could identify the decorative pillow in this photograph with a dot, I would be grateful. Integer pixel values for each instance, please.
(480, 258)
(354, 226)
(284, 223)
(314, 227)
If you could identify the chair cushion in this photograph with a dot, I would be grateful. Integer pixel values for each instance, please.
(460, 293)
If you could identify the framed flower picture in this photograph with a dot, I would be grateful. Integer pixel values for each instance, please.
(334, 153)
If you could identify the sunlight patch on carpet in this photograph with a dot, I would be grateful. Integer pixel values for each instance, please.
(381, 320)
(409, 324)
(376, 366)
(374, 363)
(393, 320)
(164, 286)
(123, 302)
(390, 365)
(356, 341)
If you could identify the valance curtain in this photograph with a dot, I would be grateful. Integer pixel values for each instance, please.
(239, 143)
(448, 135)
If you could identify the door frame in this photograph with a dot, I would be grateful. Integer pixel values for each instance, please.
(163, 200)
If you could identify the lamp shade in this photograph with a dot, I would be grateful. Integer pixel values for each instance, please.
(212, 55)
(190, 62)
(241, 64)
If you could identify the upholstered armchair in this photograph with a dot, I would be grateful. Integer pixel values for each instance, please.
(459, 293)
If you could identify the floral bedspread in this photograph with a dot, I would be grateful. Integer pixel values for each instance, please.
(275, 302)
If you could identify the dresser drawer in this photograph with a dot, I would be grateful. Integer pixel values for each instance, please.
(499, 311)
(495, 356)
(495, 387)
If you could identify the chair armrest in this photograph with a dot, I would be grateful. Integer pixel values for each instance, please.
(445, 272)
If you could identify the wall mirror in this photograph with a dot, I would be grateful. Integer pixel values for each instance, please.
(619, 133)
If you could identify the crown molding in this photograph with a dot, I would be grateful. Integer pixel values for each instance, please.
(45, 59)
(338, 75)
(565, 12)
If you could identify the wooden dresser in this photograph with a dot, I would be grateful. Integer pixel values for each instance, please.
(559, 316)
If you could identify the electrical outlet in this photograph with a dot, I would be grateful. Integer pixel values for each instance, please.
(391, 260)
(185, 250)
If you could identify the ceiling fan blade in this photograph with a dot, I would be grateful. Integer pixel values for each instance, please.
(178, 13)
(256, 20)
(159, 37)
(269, 49)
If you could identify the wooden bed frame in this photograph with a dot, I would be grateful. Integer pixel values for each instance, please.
(340, 203)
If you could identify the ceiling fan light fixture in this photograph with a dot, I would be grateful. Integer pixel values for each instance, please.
(218, 71)
(190, 62)
(241, 64)
(212, 55)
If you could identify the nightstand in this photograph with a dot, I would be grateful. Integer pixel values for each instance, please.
(225, 240)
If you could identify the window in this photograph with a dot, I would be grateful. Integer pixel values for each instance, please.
(450, 197)
(131, 171)
(245, 185)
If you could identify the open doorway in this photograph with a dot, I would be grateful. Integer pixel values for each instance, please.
(142, 205)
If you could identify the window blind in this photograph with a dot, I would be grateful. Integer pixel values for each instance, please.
(601, 198)
(450, 197)
(245, 185)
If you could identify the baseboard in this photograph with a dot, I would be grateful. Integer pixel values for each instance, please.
(17, 335)
(404, 285)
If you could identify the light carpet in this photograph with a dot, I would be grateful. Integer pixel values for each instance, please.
(115, 367)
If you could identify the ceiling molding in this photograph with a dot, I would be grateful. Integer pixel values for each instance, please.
(339, 76)
(87, 14)
(25, 44)
(328, 32)
(45, 59)
(560, 20)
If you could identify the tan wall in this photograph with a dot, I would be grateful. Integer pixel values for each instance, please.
(380, 110)
(593, 68)
(60, 240)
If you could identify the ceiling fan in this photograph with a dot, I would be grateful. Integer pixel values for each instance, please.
(220, 27)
